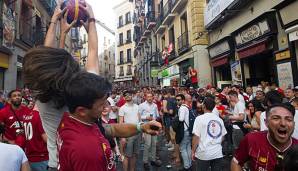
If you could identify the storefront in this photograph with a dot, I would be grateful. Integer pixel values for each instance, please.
(255, 44)
(289, 58)
(220, 55)
(169, 76)
(3, 66)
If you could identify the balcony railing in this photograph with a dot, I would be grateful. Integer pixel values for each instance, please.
(27, 34)
(183, 43)
(49, 5)
(167, 8)
(121, 74)
(119, 25)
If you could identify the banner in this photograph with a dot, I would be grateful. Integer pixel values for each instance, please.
(8, 26)
(285, 75)
(236, 73)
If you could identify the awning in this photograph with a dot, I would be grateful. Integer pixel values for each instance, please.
(123, 79)
(253, 49)
(219, 61)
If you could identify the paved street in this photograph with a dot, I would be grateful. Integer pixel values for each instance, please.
(165, 158)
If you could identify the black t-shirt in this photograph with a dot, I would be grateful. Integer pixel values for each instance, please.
(172, 105)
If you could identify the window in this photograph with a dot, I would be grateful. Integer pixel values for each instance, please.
(120, 24)
(121, 39)
(127, 18)
(128, 36)
(183, 21)
(121, 57)
(129, 72)
(129, 55)
(121, 73)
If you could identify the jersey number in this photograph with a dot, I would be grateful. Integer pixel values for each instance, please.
(28, 130)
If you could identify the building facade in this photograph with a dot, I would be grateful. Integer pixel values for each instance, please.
(125, 61)
(179, 41)
(23, 25)
(248, 42)
(106, 50)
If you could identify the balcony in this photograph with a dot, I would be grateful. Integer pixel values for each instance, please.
(168, 15)
(128, 41)
(120, 44)
(183, 43)
(121, 74)
(49, 5)
(27, 34)
(160, 28)
(178, 5)
(121, 62)
(151, 21)
(119, 25)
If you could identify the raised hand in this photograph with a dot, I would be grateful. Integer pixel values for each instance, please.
(89, 12)
(65, 27)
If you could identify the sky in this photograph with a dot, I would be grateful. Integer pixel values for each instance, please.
(103, 11)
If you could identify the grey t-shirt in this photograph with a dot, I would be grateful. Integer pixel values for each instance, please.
(51, 118)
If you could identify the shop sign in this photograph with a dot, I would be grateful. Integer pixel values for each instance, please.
(173, 70)
(219, 49)
(293, 36)
(236, 73)
(285, 75)
(282, 55)
(154, 73)
(253, 32)
(8, 26)
(214, 8)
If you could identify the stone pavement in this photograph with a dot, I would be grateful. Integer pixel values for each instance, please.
(165, 157)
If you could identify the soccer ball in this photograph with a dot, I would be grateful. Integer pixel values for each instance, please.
(74, 12)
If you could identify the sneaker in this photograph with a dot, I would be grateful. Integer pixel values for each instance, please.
(168, 166)
(146, 166)
(156, 163)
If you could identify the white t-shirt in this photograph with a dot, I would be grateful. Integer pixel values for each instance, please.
(210, 129)
(295, 134)
(239, 108)
(11, 157)
(112, 115)
(183, 114)
(130, 113)
(241, 98)
(263, 126)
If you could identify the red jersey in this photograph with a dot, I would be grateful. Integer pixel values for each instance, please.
(193, 77)
(221, 109)
(255, 148)
(82, 147)
(35, 147)
(10, 119)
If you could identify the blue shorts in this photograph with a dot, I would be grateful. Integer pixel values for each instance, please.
(39, 166)
(167, 121)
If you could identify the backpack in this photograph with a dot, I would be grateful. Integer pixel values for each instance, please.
(192, 117)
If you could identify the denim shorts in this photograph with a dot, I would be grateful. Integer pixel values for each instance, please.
(167, 121)
(132, 146)
(39, 166)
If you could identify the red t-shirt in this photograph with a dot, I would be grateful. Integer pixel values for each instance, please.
(221, 109)
(255, 148)
(35, 147)
(82, 147)
(193, 77)
(11, 123)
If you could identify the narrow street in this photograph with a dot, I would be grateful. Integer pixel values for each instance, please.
(166, 160)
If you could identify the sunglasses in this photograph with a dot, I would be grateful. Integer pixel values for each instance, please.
(178, 100)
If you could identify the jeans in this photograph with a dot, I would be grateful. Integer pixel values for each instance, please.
(39, 166)
(149, 147)
(185, 150)
(237, 136)
(215, 164)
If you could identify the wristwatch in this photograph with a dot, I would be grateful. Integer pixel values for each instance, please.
(139, 128)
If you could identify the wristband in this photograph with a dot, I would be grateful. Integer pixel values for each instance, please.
(91, 20)
(139, 129)
(53, 22)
